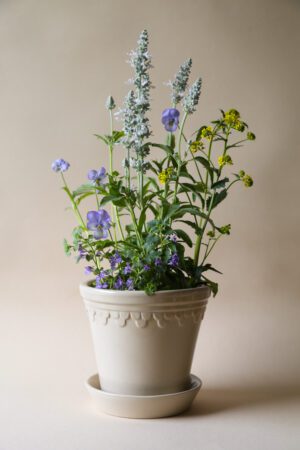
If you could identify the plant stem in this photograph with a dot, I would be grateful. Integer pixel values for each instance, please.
(133, 218)
(200, 237)
(180, 134)
(111, 168)
(75, 207)
(79, 218)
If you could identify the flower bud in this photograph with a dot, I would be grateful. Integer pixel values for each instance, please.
(110, 103)
(251, 136)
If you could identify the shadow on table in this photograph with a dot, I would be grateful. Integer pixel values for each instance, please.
(213, 401)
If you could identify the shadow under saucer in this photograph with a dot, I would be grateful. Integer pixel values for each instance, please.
(213, 401)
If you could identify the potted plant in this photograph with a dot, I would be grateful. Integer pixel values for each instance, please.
(147, 241)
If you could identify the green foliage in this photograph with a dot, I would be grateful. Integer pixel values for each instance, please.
(167, 202)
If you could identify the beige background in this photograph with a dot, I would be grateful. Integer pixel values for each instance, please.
(59, 61)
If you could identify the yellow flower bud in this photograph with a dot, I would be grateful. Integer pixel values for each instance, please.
(223, 160)
(196, 146)
(207, 132)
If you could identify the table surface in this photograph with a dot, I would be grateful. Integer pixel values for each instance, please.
(249, 399)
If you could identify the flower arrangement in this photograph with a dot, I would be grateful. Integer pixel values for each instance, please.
(138, 242)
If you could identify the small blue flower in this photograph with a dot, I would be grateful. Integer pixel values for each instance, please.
(129, 284)
(82, 252)
(173, 237)
(97, 177)
(114, 260)
(103, 274)
(88, 270)
(127, 269)
(170, 119)
(101, 285)
(146, 267)
(174, 260)
(60, 165)
(99, 222)
(119, 283)
(157, 262)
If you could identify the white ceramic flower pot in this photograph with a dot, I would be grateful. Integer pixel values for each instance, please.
(144, 345)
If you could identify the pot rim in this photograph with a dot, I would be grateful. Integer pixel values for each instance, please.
(114, 299)
(86, 286)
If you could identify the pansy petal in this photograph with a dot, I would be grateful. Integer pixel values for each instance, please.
(92, 175)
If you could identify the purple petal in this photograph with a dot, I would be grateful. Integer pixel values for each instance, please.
(92, 175)
(102, 172)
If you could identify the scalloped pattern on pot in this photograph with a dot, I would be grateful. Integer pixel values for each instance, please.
(141, 319)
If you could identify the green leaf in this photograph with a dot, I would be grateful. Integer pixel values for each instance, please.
(154, 183)
(213, 286)
(103, 138)
(116, 136)
(191, 224)
(114, 199)
(171, 211)
(205, 163)
(67, 248)
(83, 196)
(218, 198)
(194, 211)
(142, 219)
(166, 148)
(84, 188)
(184, 236)
(185, 174)
(220, 184)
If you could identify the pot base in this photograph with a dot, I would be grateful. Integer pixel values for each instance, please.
(142, 406)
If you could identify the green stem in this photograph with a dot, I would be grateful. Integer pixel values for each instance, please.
(75, 207)
(79, 218)
(180, 134)
(200, 237)
(199, 173)
(115, 214)
(133, 218)
(207, 252)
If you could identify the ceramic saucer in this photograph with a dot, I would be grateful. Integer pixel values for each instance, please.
(139, 406)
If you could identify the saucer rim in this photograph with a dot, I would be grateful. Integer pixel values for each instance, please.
(196, 384)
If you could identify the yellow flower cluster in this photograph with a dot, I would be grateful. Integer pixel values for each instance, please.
(207, 132)
(196, 146)
(224, 159)
(246, 179)
(165, 175)
(232, 118)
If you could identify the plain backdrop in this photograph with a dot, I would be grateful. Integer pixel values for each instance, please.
(59, 60)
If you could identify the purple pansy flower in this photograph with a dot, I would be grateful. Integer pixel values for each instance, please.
(129, 284)
(170, 119)
(157, 262)
(97, 176)
(174, 260)
(99, 222)
(119, 283)
(127, 269)
(88, 270)
(60, 165)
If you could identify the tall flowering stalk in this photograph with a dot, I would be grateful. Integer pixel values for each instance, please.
(179, 85)
(137, 105)
(150, 252)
